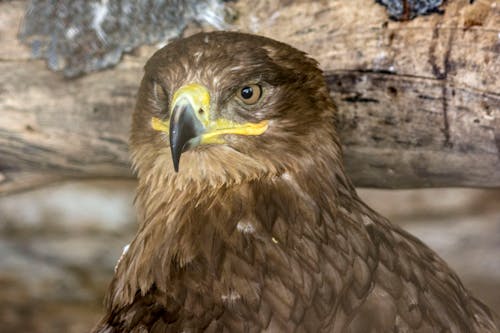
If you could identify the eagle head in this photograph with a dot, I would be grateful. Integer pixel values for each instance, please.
(224, 107)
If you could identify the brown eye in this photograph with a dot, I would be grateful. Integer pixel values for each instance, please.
(250, 94)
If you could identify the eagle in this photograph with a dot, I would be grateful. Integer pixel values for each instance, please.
(247, 219)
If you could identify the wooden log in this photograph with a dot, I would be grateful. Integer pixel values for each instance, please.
(419, 101)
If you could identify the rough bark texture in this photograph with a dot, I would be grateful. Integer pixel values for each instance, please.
(419, 101)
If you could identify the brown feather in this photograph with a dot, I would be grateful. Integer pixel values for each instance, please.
(267, 233)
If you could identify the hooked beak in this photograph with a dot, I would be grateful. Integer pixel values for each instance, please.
(191, 124)
(185, 130)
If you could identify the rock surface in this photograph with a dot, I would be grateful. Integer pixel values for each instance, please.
(79, 37)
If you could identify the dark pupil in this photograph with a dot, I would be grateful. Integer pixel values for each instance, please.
(247, 92)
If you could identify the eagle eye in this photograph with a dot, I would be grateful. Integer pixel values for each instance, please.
(250, 94)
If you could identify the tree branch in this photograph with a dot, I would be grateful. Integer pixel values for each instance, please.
(419, 101)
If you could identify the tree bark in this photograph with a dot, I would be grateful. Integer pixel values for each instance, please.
(419, 101)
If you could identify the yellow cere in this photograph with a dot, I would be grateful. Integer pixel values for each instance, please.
(198, 96)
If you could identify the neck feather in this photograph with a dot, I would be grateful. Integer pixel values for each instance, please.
(200, 223)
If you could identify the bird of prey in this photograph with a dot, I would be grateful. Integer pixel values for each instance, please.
(247, 220)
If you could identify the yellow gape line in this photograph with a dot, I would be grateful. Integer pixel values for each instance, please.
(159, 125)
(223, 126)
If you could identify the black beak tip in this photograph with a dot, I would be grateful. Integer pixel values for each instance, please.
(176, 154)
(176, 165)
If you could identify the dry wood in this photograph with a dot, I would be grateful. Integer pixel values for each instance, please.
(419, 101)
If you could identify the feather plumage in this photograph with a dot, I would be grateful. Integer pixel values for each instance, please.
(266, 233)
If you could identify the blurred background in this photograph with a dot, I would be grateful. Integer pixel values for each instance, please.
(59, 245)
(60, 242)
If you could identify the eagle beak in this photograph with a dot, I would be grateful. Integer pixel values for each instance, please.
(191, 123)
(185, 130)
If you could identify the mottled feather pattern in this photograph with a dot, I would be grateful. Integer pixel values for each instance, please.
(267, 234)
